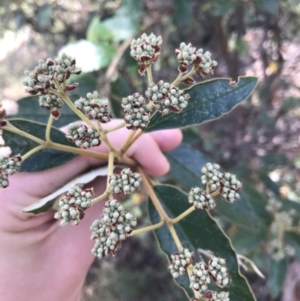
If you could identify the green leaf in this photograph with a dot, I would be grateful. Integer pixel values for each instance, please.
(276, 276)
(197, 231)
(186, 164)
(190, 135)
(209, 100)
(183, 12)
(121, 25)
(43, 159)
(29, 108)
(245, 241)
(268, 6)
(119, 88)
(97, 32)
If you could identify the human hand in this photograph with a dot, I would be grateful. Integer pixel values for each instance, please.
(39, 260)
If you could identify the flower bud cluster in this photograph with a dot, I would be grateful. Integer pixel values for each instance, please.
(127, 181)
(51, 102)
(146, 50)
(200, 199)
(230, 187)
(188, 55)
(9, 165)
(200, 277)
(225, 183)
(282, 220)
(167, 98)
(221, 296)
(137, 113)
(278, 250)
(83, 136)
(218, 271)
(41, 78)
(203, 63)
(94, 107)
(73, 204)
(115, 225)
(180, 262)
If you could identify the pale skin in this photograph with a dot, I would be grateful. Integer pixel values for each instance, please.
(40, 260)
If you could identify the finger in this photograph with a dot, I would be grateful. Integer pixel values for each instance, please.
(167, 139)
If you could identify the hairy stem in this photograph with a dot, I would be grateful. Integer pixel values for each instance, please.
(177, 80)
(111, 158)
(100, 197)
(76, 150)
(31, 152)
(175, 236)
(183, 215)
(128, 142)
(114, 128)
(48, 129)
(68, 101)
(147, 229)
(163, 215)
(104, 137)
(149, 74)
(13, 129)
(136, 137)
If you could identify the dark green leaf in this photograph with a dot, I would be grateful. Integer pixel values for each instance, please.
(97, 32)
(186, 164)
(276, 276)
(209, 100)
(183, 11)
(29, 108)
(190, 135)
(44, 159)
(246, 241)
(197, 231)
(268, 6)
(119, 88)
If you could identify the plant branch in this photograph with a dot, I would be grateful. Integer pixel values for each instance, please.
(182, 215)
(76, 150)
(149, 74)
(163, 215)
(136, 137)
(104, 137)
(114, 128)
(178, 79)
(48, 129)
(147, 229)
(9, 127)
(111, 157)
(31, 152)
(100, 197)
(128, 142)
(68, 101)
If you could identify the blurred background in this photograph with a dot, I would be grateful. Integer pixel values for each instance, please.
(259, 140)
